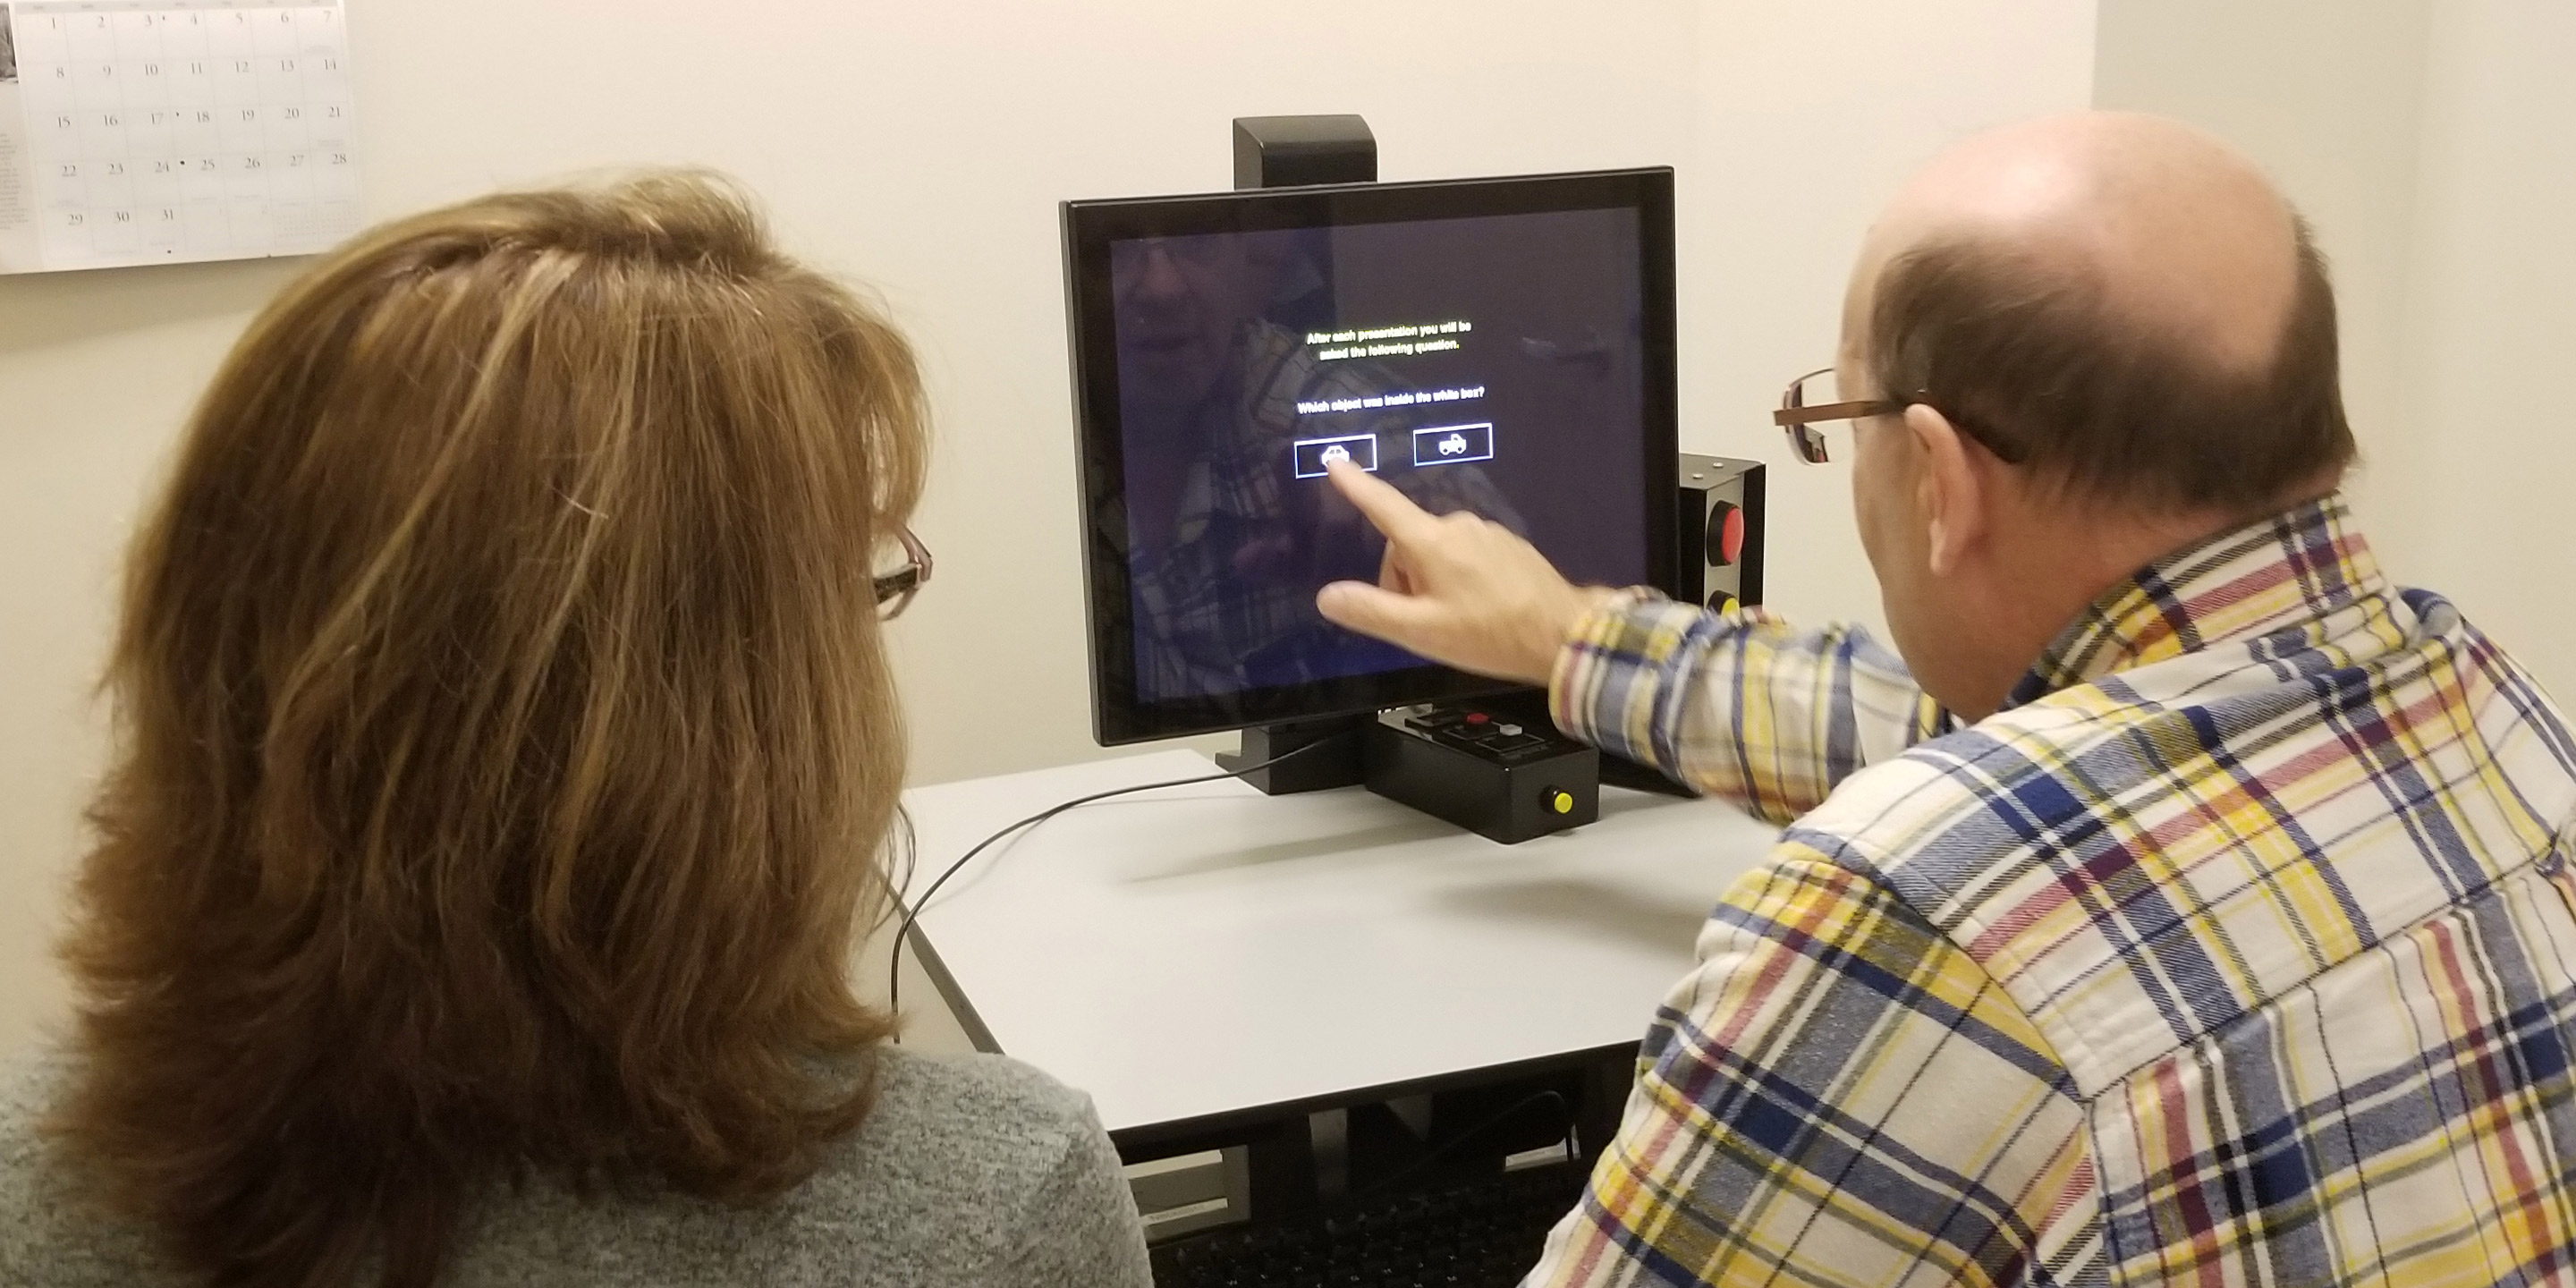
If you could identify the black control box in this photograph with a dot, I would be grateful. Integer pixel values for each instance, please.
(1720, 561)
(1502, 780)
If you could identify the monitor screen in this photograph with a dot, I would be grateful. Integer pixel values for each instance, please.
(1502, 347)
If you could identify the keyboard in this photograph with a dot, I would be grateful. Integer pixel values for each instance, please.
(1469, 1236)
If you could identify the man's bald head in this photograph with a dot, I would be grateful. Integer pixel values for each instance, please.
(2180, 234)
(2122, 299)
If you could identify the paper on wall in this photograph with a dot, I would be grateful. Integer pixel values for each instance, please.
(172, 131)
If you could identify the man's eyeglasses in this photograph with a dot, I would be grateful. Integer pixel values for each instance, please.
(1798, 418)
(896, 589)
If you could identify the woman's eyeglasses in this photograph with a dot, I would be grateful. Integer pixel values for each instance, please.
(1798, 418)
(895, 589)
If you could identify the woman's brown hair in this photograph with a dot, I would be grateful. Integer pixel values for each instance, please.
(507, 746)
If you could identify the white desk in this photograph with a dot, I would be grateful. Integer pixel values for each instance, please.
(1205, 950)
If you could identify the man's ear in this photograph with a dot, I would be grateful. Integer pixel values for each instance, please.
(1948, 487)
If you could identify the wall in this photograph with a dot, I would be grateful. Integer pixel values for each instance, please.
(2491, 322)
(923, 147)
(2433, 144)
(1810, 115)
(2328, 96)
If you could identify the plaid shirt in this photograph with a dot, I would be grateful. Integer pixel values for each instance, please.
(2239, 948)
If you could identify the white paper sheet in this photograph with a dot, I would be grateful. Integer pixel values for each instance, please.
(171, 131)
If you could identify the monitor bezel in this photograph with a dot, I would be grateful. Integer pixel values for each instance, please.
(1090, 226)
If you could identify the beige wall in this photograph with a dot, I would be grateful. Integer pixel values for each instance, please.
(2491, 323)
(2328, 96)
(1810, 114)
(2433, 144)
(923, 146)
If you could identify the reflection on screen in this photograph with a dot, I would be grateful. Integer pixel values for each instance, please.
(1491, 364)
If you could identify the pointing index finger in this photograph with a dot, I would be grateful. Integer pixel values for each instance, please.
(1391, 511)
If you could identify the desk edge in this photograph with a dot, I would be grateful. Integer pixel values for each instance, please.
(968, 1019)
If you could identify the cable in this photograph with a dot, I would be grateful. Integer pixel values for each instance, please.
(1466, 1136)
(894, 959)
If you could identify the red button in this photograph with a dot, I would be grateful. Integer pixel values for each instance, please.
(1477, 717)
(1725, 533)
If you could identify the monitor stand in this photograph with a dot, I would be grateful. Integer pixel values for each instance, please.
(1304, 771)
(1288, 152)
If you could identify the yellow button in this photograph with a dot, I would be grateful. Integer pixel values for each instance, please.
(1561, 802)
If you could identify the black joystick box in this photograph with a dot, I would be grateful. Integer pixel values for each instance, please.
(1481, 770)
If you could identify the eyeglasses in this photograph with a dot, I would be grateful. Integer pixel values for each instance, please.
(896, 589)
(1797, 419)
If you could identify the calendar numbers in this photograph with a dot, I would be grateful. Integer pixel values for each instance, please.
(166, 130)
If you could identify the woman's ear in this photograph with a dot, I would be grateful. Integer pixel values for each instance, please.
(1949, 490)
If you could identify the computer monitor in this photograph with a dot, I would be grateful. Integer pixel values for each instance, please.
(1497, 345)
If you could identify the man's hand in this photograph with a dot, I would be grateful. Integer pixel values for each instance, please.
(1456, 588)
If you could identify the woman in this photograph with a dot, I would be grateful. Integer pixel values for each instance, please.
(508, 752)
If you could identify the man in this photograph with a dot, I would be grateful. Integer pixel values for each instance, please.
(2188, 905)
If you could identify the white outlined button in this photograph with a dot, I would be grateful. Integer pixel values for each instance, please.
(1453, 444)
(1311, 454)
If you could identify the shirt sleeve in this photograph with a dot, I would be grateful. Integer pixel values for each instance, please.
(1738, 704)
(1836, 1096)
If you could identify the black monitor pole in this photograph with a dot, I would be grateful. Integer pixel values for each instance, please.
(1286, 152)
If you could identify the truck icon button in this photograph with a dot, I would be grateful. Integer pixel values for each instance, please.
(1453, 444)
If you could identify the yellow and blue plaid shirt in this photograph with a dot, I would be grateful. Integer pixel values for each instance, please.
(2238, 949)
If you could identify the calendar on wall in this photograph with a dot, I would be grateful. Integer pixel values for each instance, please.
(170, 131)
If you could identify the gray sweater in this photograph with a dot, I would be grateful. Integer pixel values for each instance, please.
(970, 1170)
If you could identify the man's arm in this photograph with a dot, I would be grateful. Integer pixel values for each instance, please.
(1837, 1096)
(1736, 704)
